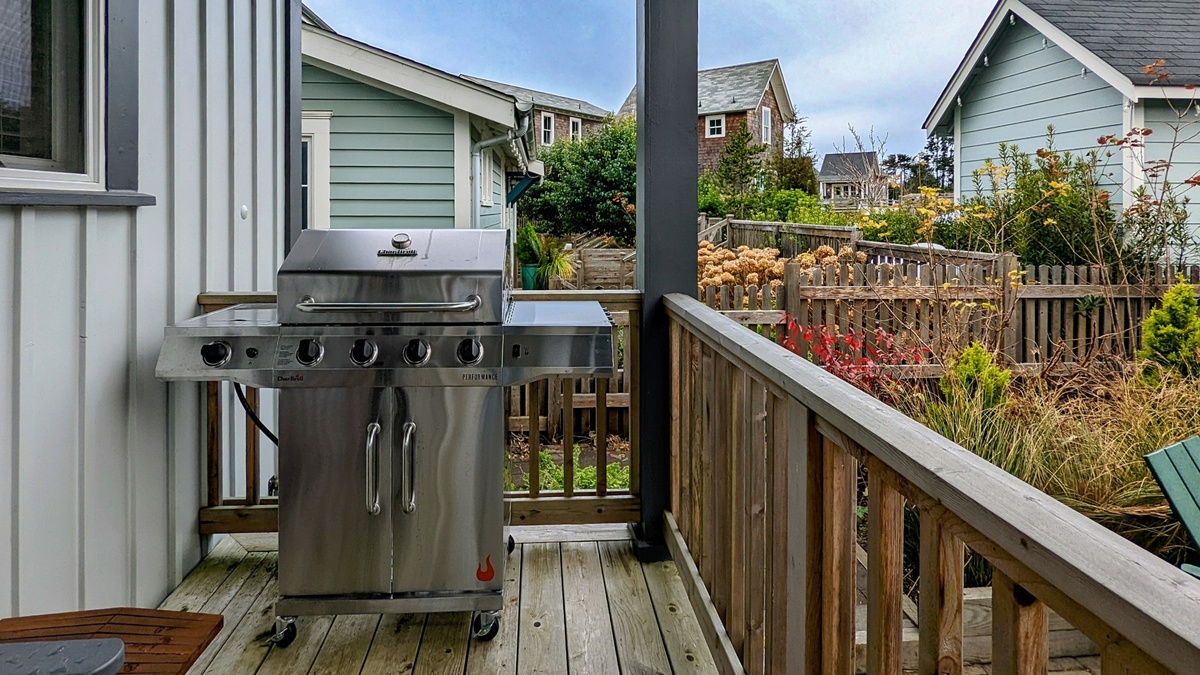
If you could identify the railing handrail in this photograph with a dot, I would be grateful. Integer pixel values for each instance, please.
(1144, 599)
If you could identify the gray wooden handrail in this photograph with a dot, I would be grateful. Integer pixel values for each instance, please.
(1148, 602)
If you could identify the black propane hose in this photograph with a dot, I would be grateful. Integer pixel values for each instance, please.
(253, 417)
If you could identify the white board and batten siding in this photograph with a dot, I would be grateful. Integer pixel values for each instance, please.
(102, 463)
(1027, 84)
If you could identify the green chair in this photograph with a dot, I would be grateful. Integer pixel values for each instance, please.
(1177, 470)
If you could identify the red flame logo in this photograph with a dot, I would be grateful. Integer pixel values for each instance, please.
(486, 574)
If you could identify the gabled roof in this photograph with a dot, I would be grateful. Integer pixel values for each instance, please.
(1114, 39)
(848, 165)
(733, 89)
(310, 17)
(542, 99)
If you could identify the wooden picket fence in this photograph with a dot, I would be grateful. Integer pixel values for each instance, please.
(1035, 316)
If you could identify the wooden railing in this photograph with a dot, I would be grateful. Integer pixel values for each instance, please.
(560, 406)
(767, 455)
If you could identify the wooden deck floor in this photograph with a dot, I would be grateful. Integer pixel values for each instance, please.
(576, 601)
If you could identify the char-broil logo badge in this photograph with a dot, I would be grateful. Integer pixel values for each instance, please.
(294, 377)
(486, 574)
(479, 377)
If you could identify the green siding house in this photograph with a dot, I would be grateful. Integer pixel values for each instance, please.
(391, 142)
(1079, 67)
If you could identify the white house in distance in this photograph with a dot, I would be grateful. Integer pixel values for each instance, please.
(1080, 67)
(392, 142)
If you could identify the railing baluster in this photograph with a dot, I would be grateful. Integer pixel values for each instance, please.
(756, 579)
(601, 436)
(632, 356)
(885, 572)
(212, 400)
(735, 452)
(532, 407)
(940, 612)
(675, 338)
(252, 497)
(838, 562)
(568, 427)
(1020, 629)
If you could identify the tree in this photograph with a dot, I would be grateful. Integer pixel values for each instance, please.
(871, 183)
(793, 167)
(590, 185)
(740, 167)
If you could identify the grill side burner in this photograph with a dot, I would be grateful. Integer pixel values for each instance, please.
(390, 350)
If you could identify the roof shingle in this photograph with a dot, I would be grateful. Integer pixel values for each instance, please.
(542, 99)
(721, 90)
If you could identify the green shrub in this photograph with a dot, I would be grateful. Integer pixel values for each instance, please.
(529, 245)
(1171, 334)
(551, 475)
(976, 375)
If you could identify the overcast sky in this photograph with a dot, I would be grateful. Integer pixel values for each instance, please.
(879, 63)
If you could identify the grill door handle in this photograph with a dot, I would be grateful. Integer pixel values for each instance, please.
(373, 468)
(309, 305)
(408, 459)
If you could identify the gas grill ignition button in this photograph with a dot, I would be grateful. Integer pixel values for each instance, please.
(416, 352)
(470, 351)
(363, 352)
(309, 352)
(215, 354)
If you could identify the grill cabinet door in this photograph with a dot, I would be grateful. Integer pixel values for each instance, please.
(329, 543)
(453, 540)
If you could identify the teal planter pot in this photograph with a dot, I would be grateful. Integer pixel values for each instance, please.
(529, 277)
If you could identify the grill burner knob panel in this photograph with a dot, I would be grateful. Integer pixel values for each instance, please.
(364, 352)
(309, 352)
(216, 354)
(470, 351)
(416, 352)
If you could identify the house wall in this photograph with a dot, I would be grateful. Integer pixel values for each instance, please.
(1175, 139)
(562, 124)
(101, 462)
(1027, 85)
(391, 158)
(709, 153)
(755, 120)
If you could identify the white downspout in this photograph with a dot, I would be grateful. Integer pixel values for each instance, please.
(476, 162)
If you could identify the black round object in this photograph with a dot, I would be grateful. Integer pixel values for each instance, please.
(470, 351)
(512, 544)
(309, 352)
(416, 352)
(363, 352)
(288, 637)
(484, 631)
(215, 354)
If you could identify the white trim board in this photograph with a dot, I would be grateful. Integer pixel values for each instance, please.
(462, 169)
(404, 77)
(315, 124)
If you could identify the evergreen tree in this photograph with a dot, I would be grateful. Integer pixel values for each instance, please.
(740, 167)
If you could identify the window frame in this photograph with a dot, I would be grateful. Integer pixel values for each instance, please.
(315, 128)
(708, 120)
(575, 125)
(543, 130)
(91, 178)
(766, 126)
(487, 162)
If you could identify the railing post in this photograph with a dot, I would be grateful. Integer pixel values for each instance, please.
(940, 609)
(1020, 629)
(885, 572)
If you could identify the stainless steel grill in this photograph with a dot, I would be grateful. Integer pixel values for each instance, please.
(390, 350)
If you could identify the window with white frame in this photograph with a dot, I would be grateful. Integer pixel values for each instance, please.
(576, 129)
(766, 125)
(547, 128)
(314, 169)
(486, 169)
(714, 126)
(50, 93)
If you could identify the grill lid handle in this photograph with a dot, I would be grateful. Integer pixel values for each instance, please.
(308, 305)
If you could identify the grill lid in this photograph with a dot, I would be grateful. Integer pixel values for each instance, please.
(395, 277)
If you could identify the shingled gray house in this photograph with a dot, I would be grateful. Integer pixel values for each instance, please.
(554, 116)
(753, 93)
(1079, 66)
(852, 180)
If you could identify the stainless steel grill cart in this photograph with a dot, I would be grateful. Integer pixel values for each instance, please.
(391, 350)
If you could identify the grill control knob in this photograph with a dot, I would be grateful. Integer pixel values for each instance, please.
(363, 352)
(309, 352)
(215, 354)
(416, 352)
(470, 351)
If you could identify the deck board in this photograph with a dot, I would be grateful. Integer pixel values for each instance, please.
(600, 612)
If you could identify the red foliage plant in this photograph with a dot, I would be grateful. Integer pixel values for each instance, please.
(852, 357)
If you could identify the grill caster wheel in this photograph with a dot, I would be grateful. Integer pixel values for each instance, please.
(485, 625)
(512, 544)
(285, 631)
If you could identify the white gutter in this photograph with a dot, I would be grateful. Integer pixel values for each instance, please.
(476, 163)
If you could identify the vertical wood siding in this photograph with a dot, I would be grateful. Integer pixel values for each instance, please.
(1025, 87)
(101, 462)
(1176, 138)
(391, 159)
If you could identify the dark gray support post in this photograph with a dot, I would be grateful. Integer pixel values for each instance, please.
(666, 236)
(121, 95)
(292, 103)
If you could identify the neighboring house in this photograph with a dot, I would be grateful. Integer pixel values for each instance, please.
(1078, 66)
(852, 180)
(390, 142)
(751, 93)
(554, 116)
(166, 177)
